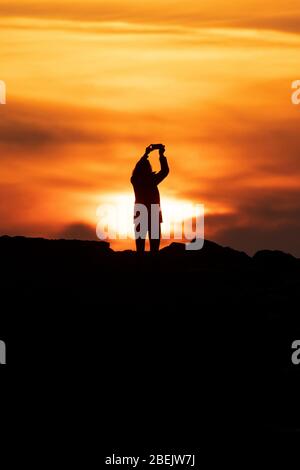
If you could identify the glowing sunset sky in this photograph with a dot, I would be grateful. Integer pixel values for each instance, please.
(90, 84)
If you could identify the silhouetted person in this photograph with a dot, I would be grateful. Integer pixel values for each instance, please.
(145, 182)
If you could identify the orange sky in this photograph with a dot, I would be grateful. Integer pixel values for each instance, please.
(90, 84)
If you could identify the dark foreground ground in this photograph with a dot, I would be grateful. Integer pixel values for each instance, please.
(164, 347)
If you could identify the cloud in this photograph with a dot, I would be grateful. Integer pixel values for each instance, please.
(252, 237)
(258, 193)
(78, 231)
(216, 13)
(16, 204)
(289, 23)
(267, 217)
(29, 126)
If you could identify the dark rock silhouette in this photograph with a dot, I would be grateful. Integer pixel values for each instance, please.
(276, 259)
(211, 252)
(216, 315)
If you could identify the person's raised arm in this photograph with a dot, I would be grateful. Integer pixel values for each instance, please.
(141, 160)
(146, 154)
(164, 167)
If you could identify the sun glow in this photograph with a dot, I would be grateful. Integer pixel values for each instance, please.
(115, 217)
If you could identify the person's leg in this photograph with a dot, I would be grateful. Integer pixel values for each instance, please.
(140, 237)
(140, 245)
(140, 226)
(154, 228)
(155, 240)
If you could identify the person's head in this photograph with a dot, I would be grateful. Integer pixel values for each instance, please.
(144, 169)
